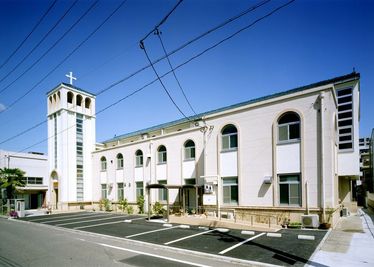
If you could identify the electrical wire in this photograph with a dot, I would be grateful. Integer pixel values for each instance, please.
(162, 21)
(35, 47)
(66, 58)
(158, 33)
(170, 71)
(30, 33)
(45, 53)
(159, 79)
(252, 8)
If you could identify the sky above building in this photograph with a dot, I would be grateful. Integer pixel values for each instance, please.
(304, 42)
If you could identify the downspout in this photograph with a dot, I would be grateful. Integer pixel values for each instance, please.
(322, 117)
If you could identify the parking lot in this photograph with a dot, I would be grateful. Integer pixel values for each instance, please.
(286, 247)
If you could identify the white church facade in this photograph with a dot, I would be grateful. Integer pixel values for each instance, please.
(285, 153)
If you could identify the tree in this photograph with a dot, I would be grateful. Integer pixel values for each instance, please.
(10, 179)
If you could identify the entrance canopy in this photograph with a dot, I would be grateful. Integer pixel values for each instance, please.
(181, 188)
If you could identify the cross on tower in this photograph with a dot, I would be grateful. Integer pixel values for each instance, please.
(70, 76)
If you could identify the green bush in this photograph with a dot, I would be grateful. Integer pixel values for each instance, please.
(123, 204)
(130, 209)
(105, 204)
(140, 203)
(158, 209)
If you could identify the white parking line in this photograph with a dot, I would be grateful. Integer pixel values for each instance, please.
(94, 220)
(239, 244)
(154, 255)
(99, 224)
(153, 231)
(63, 216)
(74, 218)
(186, 237)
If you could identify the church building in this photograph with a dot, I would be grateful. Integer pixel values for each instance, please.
(292, 152)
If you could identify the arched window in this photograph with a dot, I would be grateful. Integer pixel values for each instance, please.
(50, 100)
(103, 164)
(229, 137)
(161, 154)
(138, 158)
(79, 100)
(289, 127)
(119, 161)
(70, 97)
(87, 103)
(189, 150)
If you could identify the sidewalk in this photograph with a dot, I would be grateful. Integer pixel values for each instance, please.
(351, 243)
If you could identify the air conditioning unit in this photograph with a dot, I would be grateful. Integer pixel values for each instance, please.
(310, 220)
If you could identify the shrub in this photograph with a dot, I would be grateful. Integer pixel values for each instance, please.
(130, 209)
(158, 208)
(105, 204)
(140, 203)
(123, 204)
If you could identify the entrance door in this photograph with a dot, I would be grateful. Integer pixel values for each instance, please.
(190, 198)
(33, 201)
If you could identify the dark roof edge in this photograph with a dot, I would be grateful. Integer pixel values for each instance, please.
(345, 78)
(72, 87)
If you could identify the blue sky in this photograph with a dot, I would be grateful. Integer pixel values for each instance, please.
(306, 42)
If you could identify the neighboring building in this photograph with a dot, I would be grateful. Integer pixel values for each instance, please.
(35, 166)
(371, 153)
(279, 154)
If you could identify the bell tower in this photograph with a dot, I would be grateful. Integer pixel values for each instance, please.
(71, 133)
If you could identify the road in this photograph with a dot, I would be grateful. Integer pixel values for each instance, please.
(29, 244)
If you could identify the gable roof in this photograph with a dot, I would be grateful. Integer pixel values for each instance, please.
(340, 79)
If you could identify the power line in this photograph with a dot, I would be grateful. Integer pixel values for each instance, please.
(142, 46)
(158, 33)
(252, 8)
(67, 57)
(54, 45)
(35, 47)
(31, 32)
(167, 73)
(162, 21)
(159, 79)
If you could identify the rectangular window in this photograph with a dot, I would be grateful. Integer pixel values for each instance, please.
(289, 190)
(290, 131)
(230, 190)
(120, 195)
(79, 154)
(229, 141)
(139, 161)
(104, 193)
(162, 192)
(345, 118)
(162, 157)
(189, 153)
(139, 189)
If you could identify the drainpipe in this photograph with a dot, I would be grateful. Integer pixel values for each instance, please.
(322, 117)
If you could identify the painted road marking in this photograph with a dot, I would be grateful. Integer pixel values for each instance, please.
(241, 243)
(186, 237)
(153, 255)
(64, 216)
(99, 224)
(153, 231)
(167, 225)
(306, 237)
(94, 220)
(248, 233)
(273, 235)
(75, 218)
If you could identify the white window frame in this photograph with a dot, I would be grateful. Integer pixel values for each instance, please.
(103, 164)
(289, 140)
(188, 152)
(120, 191)
(290, 183)
(229, 136)
(104, 191)
(229, 185)
(119, 161)
(351, 141)
(139, 160)
(162, 156)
